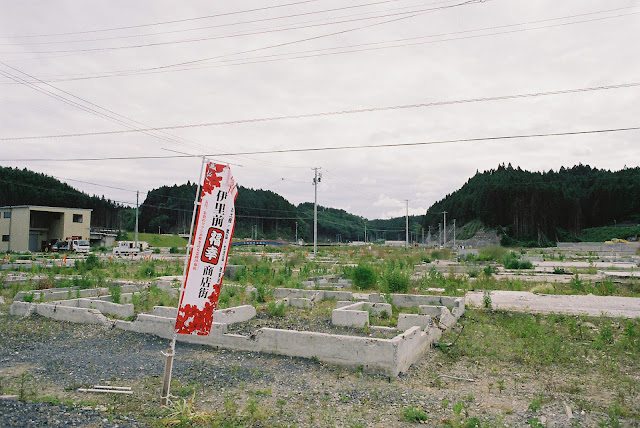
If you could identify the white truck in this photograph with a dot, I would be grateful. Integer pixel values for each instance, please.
(126, 248)
(79, 246)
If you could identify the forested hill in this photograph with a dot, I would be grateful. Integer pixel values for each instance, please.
(265, 215)
(24, 187)
(169, 209)
(536, 208)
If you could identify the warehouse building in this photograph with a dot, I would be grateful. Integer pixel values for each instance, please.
(32, 228)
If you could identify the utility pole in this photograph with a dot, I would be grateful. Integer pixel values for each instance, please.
(423, 236)
(137, 201)
(406, 244)
(454, 232)
(365, 233)
(296, 233)
(439, 234)
(429, 236)
(316, 179)
(444, 242)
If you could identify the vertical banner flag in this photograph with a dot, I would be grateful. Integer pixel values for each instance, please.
(211, 240)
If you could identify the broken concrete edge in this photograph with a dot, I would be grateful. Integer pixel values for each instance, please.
(52, 294)
(398, 300)
(233, 315)
(391, 356)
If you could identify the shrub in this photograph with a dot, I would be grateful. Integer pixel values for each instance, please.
(115, 293)
(412, 414)
(92, 262)
(396, 281)
(261, 293)
(364, 276)
(276, 309)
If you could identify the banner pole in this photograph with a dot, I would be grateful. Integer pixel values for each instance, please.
(168, 362)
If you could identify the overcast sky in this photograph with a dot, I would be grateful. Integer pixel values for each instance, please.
(269, 62)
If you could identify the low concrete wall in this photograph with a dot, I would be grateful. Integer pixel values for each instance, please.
(164, 327)
(350, 316)
(597, 247)
(70, 314)
(300, 302)
(225, 316)
(19, 308)
(74, 292)
(414, 300)
(406, 321)
(118, 310)
(413, 345)
(315, 295)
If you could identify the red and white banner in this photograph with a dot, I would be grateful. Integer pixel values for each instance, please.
(208, 258)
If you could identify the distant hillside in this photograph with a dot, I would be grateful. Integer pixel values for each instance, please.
(535, 208)
(266, 214)
(395, 228)
(24, 187)
(169, 209)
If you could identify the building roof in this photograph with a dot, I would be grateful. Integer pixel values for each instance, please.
(39, 207)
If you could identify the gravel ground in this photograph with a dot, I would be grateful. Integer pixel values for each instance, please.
(53, 359)
(15, 413)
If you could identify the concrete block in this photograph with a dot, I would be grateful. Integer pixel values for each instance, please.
(300, 302)
(323, 283)
(376, 298)
(449, 302)
(406, 321)
(164, 285)
(164, 327)
(343, 303)
(308, 284)
(411, 300)
(281, 293)
(124, 298)
(446, 320)
(459, 306)
(412, 345)
(19, 308)
(337, 295)
(350, 318)
(379, 308)
(345, 282)
(233, 272)
(122, 311)
(431, 310)
(234, 315)
(71, 314)
(165, 311)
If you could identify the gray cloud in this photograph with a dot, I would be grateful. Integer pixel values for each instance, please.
(372, 183)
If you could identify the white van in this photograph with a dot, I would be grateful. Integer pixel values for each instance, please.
(125, 248)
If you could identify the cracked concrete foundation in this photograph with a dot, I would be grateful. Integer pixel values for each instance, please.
(415, 332)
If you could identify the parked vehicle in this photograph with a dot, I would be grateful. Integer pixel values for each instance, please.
(60, 245)
(126, 248)
(79, 246)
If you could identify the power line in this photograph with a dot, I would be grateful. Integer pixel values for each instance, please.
(113, 116)
(226, 36)
(168, 22)
(335, 148)
(225, 25)
(317, 52)
(321, 36)
(336, 113)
